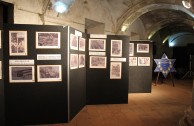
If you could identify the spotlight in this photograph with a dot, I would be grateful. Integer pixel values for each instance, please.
(60, 7)
(171, 44)
(124, 27)
(186, 4)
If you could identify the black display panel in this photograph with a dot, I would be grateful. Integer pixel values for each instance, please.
(140, 77)
(77, 78)
(100, 88)
(36, 102)
(2, 100)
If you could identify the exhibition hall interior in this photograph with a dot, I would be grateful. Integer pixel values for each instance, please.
(96, 62)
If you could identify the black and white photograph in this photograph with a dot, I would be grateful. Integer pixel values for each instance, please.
(97, 62)
(116, 48)
(18, 43)
(81, 60)
(49, 73)
(132, 61)
(73, 61)
(115, 70)
(48, 40)
(143, 61)
(142, 48)
(21, 74)
(73, 42)
(97, 44)
(82, 43)
(131, 49)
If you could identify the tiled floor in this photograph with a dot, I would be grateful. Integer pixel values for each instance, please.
(163, 107)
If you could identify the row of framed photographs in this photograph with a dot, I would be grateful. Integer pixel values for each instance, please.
(141, 48)
(76, 41)
(77, 61)
(139, 61)
(45, 73)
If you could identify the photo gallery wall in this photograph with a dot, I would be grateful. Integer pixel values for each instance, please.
(138, 61)
(98, 58)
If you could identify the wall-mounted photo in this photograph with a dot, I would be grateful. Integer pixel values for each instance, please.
(73, 42)
(21, 74)
(73, 61)
(97, 44)
(49, 73)
(18, 43)
(48, 40)
(142, 48)
(115, 70)
(81, 60)
(131, 49)
(116, 48)
(97, 62)
(82, 42)
(132, 61)
(143, 61)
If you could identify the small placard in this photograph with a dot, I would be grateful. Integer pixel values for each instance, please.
(98, 36)
(48, 56)
(97, 53)
(118, 59)
(78, 33)
(21, 62)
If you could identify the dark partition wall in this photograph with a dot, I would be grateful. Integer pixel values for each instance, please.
(100, 88)
(77, 75)
(2, 107)
(36, 102)
(140, 75)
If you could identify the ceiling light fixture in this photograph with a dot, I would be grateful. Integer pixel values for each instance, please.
(123, 28)
(186, 4)
(61, 6)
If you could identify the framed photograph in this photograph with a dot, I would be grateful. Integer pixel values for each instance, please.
(97, 62)
(132, 61)
(49, 73)
(48, 40)
(143, 61)
(81, 60)
(73, 61)
(18, 43)
(73, 42)
(97, 44)
(115, 70)
(82, 43)
(21, 74)
(142, 48)
(131, 49)
(116, 48)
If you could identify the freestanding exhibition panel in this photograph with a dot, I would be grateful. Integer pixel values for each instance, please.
(140, 69)
(38, 83)
(107, 83)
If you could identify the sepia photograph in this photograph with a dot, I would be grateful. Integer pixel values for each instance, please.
(17, 43)
(97, 44)
(21, 74)
(49, 73)
(132, 61)
(48, 40)
(143, 61)
(131, 49)
(73, 61)
(82, 42)
(115, 70)
(73, 42)
(97, 62)
(116, 48)
(142, 48)
(81, 60)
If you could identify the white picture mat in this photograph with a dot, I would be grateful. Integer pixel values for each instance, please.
(82, 44)
(98, 62)
(21, 71)
(73, 61)
(73, 42)
(115, 70)
(97, 44)
(82, 60)
(131, 49)
(18, 43)
(142, 48)
(116, 48)
(48, 70)
(132, 61)
(143, 61)
(57, 41)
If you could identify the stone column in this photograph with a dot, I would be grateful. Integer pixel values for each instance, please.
(188, 118)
